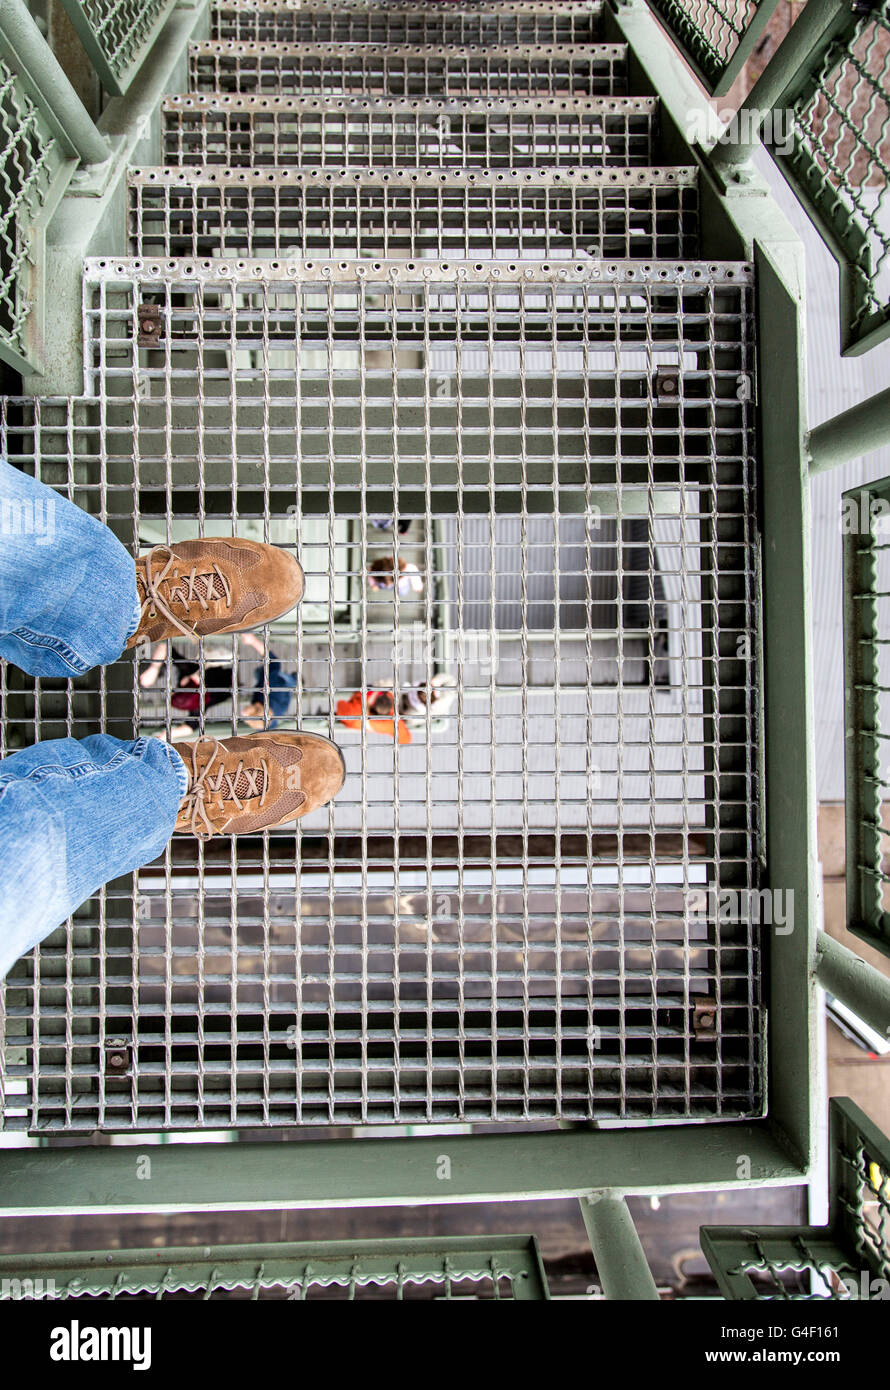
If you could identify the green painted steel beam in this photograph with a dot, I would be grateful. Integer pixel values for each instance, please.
(859, 430)
(439, 1169)
(854, 982)
(621, 1262)
(27, 50)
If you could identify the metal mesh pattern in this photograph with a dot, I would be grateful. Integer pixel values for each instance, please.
(407, 71)
(492, 922)
(711, 30)
(798, 1266)
(437, 23)
(29, 159)
(604, 213)
(116, 34)
(313, 134)
(506, 1267)
(867, 708)
(841, 160)
(850, 1259)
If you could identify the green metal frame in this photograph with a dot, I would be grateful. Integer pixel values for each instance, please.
(499, 1267)
(847, 1259)
(44, 131)
(36, 164)
(820, 176)
(824, 94)
(117, 35)
(717, 43)
(577, 1161)
(866, 786)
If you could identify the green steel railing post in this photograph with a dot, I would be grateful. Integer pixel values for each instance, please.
(621, 1262)
(795, 56)
(854, 982)
(28, 51)
(866, 426)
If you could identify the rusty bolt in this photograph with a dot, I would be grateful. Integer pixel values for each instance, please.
(117, 1056)
(667, 383)
(704, 1018)
(148, 318)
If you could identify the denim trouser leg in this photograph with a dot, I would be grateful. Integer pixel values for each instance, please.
(68, 598)
(72, 814)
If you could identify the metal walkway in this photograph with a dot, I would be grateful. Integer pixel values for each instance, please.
(357, 290)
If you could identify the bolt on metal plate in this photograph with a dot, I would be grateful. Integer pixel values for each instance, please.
(667, 383)
(118, 1057)
(151, 327)
(704, 1017)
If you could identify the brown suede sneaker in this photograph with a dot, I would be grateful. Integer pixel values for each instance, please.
(219, 584)
(256, 781)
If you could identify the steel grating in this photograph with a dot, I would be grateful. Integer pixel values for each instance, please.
(296, 132)
(405, 70)
(239, 212)
(492, 923)
(444, 22)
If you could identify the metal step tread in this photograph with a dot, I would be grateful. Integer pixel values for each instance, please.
(444, 22)
(368, 133)
(554, 51)
(652, 176)
(415, 70)
(434, 106)
(254, 212)
(366, 7)
(617, 271)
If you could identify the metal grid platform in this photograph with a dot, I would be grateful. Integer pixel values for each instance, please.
(314, 132)
(230, 212)
(531, 21)
(406, 70)
(492, 923)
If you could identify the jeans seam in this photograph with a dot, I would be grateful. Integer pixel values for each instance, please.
(177, 764)
(137, 619)
(52, 769)
(53, 644)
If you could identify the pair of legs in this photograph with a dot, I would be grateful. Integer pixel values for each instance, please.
(272, 686)
(76, 813)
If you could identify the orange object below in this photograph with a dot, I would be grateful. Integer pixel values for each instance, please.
(348, 709)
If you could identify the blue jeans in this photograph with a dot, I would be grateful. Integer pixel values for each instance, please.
(73, 814)
(282, 685)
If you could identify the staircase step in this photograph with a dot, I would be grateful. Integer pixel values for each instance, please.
(400, 376)
(423, 70)
(261, 21)
(342, 132)
(605, 213)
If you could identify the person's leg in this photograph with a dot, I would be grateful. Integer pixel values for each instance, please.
(68, 595)
(74, 815)
(71, 597)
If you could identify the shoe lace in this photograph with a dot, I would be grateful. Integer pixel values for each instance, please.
(191, 586)
(238, 786)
